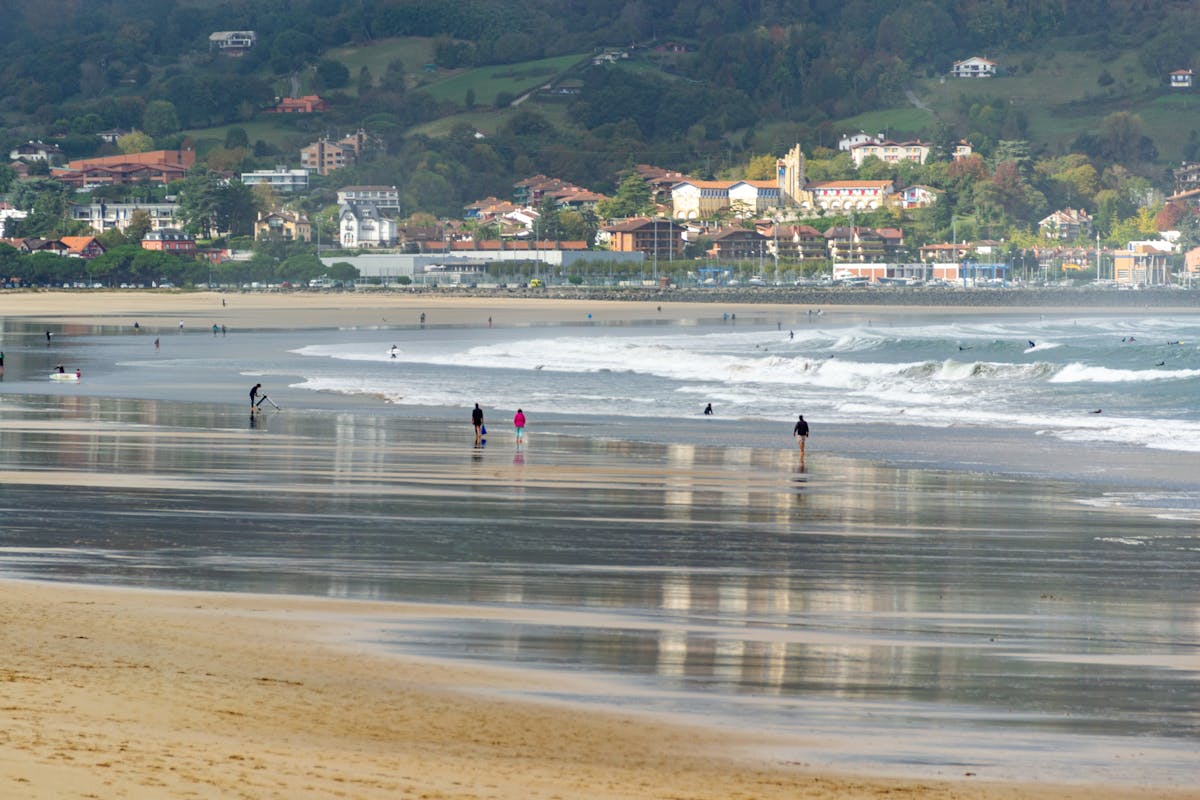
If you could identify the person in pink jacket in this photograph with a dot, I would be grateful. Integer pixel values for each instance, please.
(519, 424)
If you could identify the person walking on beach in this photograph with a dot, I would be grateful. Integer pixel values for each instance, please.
(254, 396)
(477, 421)
(519, 424)
(801, 434)
(156, 343)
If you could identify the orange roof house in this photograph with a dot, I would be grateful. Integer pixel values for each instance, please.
(308, 104)
(82, 246)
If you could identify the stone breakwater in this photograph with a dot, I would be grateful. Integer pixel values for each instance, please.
(1015, 298)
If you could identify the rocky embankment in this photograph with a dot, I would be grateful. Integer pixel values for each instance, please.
(1033, 297)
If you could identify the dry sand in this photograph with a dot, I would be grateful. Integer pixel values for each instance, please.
(128, 694)
(131, 694)
(163, 310)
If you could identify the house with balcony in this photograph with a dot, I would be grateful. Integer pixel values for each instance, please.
(846, 195)
(31, 152)
(384, 197)
(232, 43)
(170, 240)
(737, 244)
(890, 152)
(793, 242)
(1181, 79)
(106, 216)
(85, 247)
(974, 67)
(1066, 224)
(280, 179)
(285, 225)
(661, 238)
(362, 225)
(325, 155)
(918, 196)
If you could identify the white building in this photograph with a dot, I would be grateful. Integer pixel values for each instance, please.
(231, 42)
(381, 196)
(974, 67)
(106, 216)
(752, 198)
(279, 179)
(847, 195)
(361, 225)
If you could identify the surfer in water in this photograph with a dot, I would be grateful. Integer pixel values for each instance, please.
(1032, 343)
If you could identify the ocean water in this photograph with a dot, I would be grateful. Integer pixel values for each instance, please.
(1125, 381)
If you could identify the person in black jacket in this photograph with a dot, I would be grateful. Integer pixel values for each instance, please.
(477, 421)
(801, 434)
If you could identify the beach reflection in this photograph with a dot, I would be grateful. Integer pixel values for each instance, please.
(851, 600)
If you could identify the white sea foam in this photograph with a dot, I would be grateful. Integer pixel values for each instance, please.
(854, 374)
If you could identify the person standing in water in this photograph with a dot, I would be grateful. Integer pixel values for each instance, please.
(477, 421)
(800, 431)
(519, 425)
(708, 412)
(254, 396)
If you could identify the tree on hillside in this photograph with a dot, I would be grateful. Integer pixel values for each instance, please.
(761, 168)
(332, 74)
(135, 142)
(632, 199)
(160, 118)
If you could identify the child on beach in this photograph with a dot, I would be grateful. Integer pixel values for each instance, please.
(519, 424)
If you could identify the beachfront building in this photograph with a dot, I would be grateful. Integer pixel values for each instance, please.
(280, 179)
(657, 238)
(1142, 266)
(794, 242)
(737, 244)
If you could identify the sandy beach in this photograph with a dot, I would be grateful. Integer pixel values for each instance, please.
(126, 692)
(123, 693)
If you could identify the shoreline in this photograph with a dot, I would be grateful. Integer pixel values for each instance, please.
(277, 696)
(161, 311)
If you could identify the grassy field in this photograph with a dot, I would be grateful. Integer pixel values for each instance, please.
(489, 120)
(516, 79)
(891, 122)
(414, 53)
(1060, 94)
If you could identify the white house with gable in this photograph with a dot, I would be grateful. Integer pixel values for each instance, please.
(361, 225)
(974, 67)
